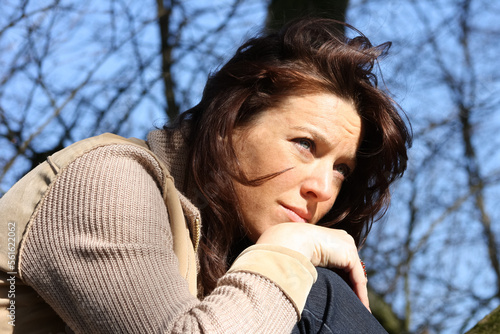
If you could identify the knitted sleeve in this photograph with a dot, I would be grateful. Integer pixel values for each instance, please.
(99, 252)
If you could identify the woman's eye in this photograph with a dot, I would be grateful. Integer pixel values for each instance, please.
(343, 169)
(305, 143)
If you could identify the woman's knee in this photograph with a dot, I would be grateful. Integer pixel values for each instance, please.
(333, 307)
(326, 291)
(331, 282)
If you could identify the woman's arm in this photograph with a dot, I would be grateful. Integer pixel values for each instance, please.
(99, 251)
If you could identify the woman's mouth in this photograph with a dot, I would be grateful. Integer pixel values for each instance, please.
(294, 216)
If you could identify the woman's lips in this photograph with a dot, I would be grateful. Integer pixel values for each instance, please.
(294, 216)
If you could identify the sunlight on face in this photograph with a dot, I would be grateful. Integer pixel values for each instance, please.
(315, 138)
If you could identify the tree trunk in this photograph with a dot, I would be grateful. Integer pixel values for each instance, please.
(282, 11)
(164, 13)
(489, 324)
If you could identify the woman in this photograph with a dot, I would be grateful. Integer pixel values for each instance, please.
(218, 223)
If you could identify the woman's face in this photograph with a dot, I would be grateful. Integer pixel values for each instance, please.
(314, 138)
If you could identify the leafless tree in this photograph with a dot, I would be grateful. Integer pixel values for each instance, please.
(435, 258)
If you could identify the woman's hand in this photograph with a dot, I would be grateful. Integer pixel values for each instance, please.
(325, 247)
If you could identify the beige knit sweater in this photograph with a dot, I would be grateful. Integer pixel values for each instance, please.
(99, 252)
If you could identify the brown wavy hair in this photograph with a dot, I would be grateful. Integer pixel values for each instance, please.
(306, 56)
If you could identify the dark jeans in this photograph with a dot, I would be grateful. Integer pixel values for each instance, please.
(333, 308)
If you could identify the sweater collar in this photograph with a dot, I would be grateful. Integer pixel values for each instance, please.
(170, 146)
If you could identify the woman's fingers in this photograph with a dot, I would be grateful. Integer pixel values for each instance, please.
(359, 283)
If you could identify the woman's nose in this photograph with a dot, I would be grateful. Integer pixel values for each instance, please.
(319, 185)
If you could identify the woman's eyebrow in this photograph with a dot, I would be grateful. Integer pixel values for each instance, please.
(316, 134)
